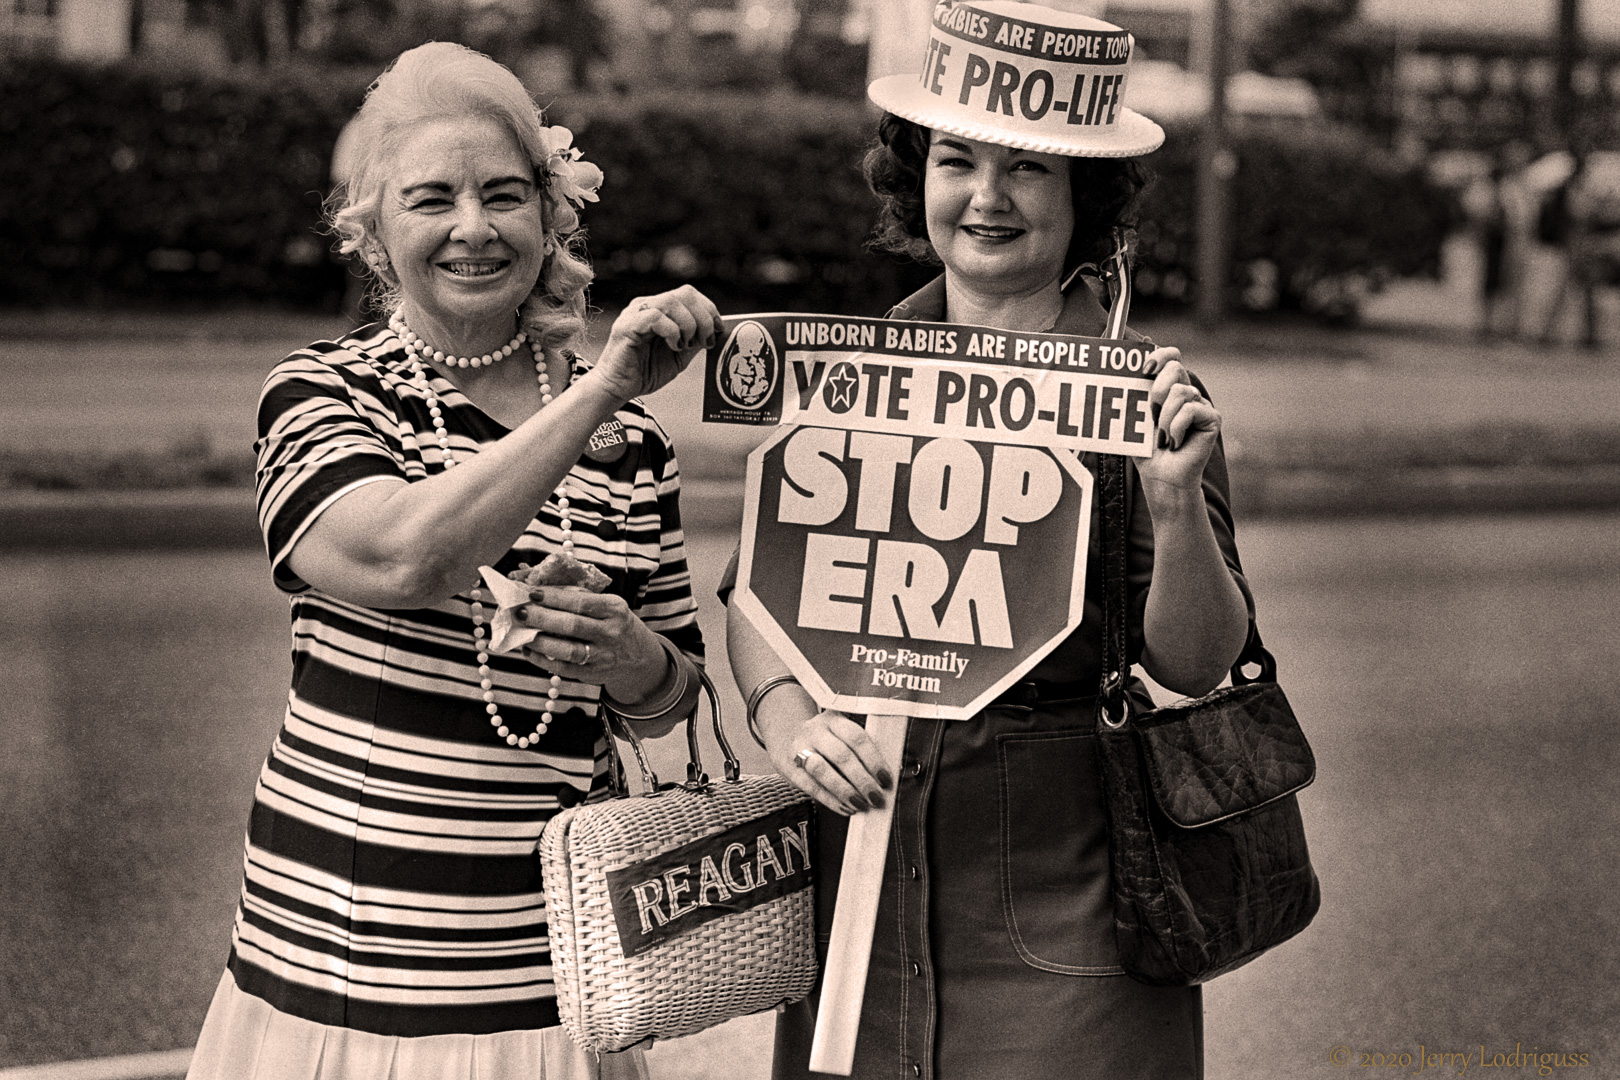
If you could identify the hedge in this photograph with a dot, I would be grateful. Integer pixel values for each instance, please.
(127, 184)
(124, 185)
(1320, 215)
(756, 198)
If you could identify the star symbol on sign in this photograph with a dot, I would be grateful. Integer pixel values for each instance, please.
(841, 387)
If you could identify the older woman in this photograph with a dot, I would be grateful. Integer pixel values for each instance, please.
(392, 921)
(994, 953)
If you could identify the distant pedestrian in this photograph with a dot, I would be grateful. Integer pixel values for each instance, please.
(1519, 204)
(1595, 250)
(1561, 224)
(1486, 215)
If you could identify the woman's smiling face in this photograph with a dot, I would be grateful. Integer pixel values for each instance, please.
(461, 222)
(999, 218)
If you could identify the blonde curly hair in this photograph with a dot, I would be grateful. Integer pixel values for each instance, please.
(442, 80)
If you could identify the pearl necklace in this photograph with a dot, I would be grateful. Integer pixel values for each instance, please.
(415, 345)
(417, 354)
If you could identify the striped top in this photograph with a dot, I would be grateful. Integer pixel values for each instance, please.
(391, 883)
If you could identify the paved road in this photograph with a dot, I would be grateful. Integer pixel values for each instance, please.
(1456, 678)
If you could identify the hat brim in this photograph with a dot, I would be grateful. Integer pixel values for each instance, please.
(1132, 134)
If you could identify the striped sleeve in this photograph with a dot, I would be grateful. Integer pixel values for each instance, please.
(316, 444)
(668, 606)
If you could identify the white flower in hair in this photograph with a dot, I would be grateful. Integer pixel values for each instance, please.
(570, 178)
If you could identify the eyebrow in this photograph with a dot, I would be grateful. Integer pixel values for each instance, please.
(964, 148)
(440, 185)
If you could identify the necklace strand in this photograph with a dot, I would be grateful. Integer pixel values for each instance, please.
(417, 353)
(415, 345)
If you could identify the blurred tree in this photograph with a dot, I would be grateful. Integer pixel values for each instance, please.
(574, 25)
(260, 30)
(820, 63)
(1297, 39)
(1325, 43)
(364, 31)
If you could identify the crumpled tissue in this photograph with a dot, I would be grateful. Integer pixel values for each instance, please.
(506, 634)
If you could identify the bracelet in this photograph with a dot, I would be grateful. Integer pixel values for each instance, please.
(758, 696)
(660, 704)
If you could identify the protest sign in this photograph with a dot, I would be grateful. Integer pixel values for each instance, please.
(915, 537)
(938, 379)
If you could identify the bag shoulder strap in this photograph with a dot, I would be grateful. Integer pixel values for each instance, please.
(1113, 483)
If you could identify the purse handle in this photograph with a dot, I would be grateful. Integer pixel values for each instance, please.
(696, 778)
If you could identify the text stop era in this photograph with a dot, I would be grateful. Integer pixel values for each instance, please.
(946, 498)
(912, 574)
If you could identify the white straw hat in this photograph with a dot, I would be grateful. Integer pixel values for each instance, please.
(1024, 75)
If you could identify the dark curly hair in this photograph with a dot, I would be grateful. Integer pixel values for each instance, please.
(1106, 194)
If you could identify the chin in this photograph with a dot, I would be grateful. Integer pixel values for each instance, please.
(996, 274)
(474, 304)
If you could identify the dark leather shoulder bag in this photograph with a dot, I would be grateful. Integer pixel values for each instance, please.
(1207, 846)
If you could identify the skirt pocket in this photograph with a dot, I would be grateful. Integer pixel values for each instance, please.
(1054, 853)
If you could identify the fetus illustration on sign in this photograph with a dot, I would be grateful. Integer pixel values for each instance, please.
(747, 371)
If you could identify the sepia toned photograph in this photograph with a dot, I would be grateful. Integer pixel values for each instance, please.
(743, 539)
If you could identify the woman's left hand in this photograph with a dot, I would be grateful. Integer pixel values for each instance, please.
(1185, 429)
(594, 638)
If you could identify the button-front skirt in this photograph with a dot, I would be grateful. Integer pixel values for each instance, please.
(994, 953)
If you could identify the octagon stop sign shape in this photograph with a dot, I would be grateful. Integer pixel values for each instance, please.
(907, 575)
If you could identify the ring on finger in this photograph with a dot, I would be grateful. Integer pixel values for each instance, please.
(802, 758)
(587, 659)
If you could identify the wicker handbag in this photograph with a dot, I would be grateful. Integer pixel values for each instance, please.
(682, 907)
(1206, 842)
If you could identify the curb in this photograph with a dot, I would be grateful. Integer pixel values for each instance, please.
(225, 518)
(1426, 492)
(100, 520)
(151, 1066)
(201, 518)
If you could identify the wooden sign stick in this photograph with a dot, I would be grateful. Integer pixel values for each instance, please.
(843, 982)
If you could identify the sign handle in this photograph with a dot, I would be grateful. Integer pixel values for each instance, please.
(843, 983)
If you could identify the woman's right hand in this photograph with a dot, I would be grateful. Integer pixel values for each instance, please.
(843, 769)
(653, 340)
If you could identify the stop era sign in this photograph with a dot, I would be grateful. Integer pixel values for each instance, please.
(907, 574)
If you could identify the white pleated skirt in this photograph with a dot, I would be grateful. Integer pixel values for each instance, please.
(245, 1038)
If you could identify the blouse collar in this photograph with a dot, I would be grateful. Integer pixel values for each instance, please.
(1082, 316)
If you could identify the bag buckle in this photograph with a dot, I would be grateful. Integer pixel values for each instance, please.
(1112, 702)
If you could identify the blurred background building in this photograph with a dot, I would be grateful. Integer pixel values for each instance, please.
(1448, 73)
